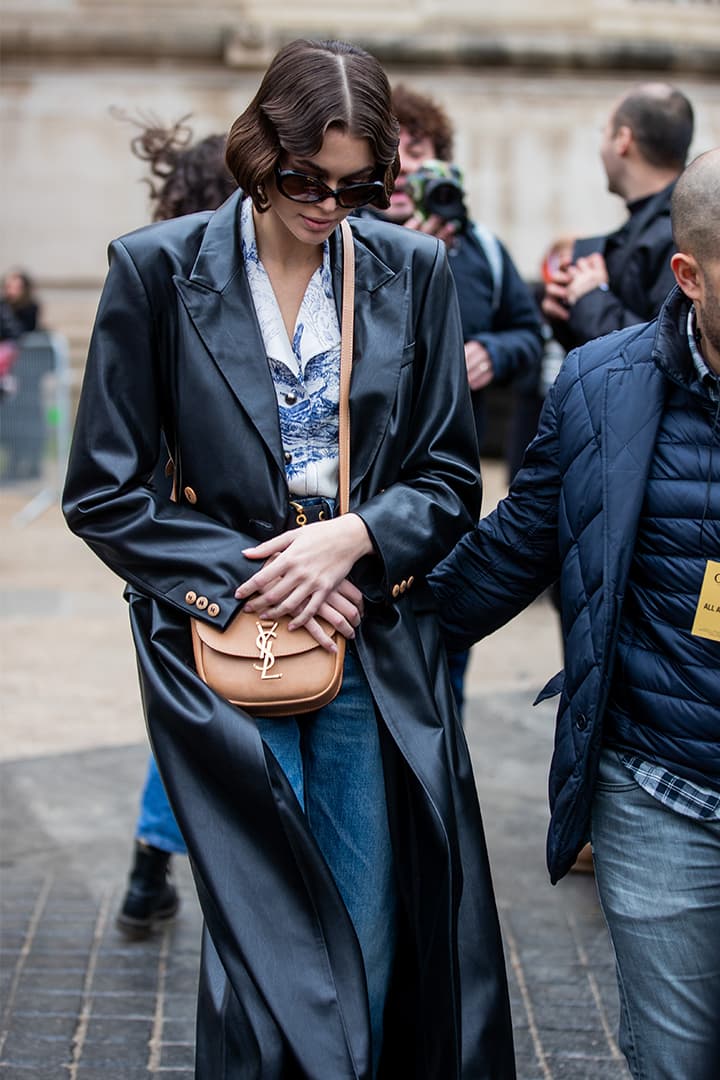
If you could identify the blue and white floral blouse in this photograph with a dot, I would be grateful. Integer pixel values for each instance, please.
(306, 371)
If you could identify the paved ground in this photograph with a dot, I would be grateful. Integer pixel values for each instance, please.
(80, 1002)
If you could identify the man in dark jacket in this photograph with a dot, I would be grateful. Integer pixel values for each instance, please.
(619, 496)
(622, 279)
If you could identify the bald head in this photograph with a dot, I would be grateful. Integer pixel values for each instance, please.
(661, 120)
(695, 208)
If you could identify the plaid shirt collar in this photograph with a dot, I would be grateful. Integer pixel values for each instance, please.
(708, 379)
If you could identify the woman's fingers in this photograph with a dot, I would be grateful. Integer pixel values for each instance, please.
(353, 594)
(347, 608)
(342, 613)
(337, 620)
(314, 628)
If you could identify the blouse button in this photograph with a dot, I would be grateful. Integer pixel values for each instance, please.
(288, 457)
(290, 398)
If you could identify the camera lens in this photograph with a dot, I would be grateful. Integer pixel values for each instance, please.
(444, 198)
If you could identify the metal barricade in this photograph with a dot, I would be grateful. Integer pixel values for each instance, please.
(35, 421)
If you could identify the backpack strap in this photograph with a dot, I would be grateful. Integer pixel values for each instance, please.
(490, 247)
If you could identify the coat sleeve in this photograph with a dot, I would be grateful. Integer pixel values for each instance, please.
(512, 555)
(415, 521)
(165, 550)
(515, 340)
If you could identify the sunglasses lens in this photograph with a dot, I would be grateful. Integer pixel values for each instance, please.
(359, 195)
(299, 187)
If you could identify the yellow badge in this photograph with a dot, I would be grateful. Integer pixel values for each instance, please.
(707, 616)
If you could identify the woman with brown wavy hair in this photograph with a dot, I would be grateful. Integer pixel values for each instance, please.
(350, 927)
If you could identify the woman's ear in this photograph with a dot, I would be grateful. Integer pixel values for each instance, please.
(687, 274)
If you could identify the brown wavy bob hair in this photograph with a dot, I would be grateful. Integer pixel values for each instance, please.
(309, 87)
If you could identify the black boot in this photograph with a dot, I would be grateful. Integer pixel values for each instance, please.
(150, 897)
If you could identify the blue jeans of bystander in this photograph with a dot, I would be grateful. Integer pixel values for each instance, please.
(658, 876)
(156, 824)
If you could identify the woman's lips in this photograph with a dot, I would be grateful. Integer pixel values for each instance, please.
(318, 225)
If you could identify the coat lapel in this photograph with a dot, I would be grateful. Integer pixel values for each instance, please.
(381, 302)
(218, 300)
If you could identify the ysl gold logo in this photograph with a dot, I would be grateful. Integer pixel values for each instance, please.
(267, 633)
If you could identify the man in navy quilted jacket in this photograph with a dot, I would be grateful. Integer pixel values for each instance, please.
(619, 497)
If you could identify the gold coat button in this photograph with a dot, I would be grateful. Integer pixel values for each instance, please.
(411, 579)
(396, 591)
(190, 597)
(201, 603)
(213, 610)
(403, 586)
(190, 495)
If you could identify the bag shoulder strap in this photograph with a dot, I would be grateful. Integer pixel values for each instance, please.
(346, 356)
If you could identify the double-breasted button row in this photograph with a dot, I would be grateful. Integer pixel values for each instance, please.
(402, 587)
(202, 603)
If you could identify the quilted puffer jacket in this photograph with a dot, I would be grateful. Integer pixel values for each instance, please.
(573, 512)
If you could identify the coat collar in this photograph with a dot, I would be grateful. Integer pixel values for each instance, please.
(217, 297)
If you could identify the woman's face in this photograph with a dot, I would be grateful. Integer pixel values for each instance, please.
(342, 159)
(13, 287)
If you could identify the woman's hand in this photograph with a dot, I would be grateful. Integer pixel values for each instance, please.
(343, 609)
(305, 566)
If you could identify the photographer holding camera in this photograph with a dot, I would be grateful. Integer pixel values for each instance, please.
(500, 323)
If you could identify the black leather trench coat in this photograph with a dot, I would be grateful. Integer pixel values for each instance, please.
(177, 349)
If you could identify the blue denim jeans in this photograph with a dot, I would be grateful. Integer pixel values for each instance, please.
(156, 824)
(658, 876)
(333, 762)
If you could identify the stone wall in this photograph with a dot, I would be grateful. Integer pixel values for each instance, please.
(529, 92)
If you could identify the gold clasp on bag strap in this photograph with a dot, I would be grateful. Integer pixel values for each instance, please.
(300, 516)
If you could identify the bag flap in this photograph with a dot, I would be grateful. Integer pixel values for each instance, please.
(245, 634)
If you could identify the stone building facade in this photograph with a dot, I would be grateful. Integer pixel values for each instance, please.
(529, 86)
